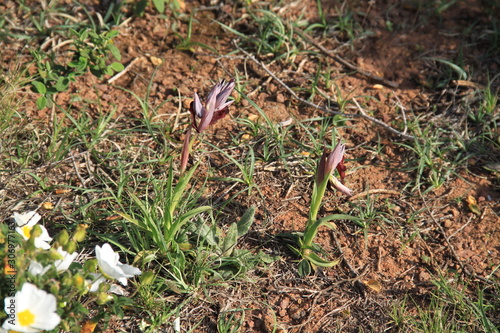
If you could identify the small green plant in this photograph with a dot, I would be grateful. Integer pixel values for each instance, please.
(159, 5)
(246, 168)
(324, 175)
(90, 51)
(230, 321)
(486, 113)
(343, 25)
(161, 221)
(271, 34)
(437, 157)
(185, 42)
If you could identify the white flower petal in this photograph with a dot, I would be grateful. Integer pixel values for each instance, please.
(93, 286)
(117, 290)
(35, 310)
(109, 263)
(62, 265)
(29, 218)
(36, 268)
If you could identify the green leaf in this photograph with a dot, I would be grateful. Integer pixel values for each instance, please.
(160, 5)
(115, 52)
(39, 87)
(112, 34)
(41, 102)
(180, 187)
(62, 83)
(326, 219)
(93, 34)
(230, 240)
(187, 216)
(84, 35)
(315, 260)
(207, 234)
(117, 67)
(462, 74)
(246, 221)
(304, 268)
(140, 7)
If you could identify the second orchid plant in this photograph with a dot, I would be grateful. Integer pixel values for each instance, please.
(324, 174)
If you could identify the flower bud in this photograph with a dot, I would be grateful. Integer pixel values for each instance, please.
(104, 287)
(62, 237)
(103, 298)
(55, 255)
(78, 281)
(90, 265)
(67, 280)
(147, 278)
(54, 288)
(70, 247)
(80, 232)
(36, 231)
(30, 247)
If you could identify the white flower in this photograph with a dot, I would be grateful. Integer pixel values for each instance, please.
(31, 310)
(37, 269)
(26, 222)
(93, 286)
(61, 265)
(108, 261)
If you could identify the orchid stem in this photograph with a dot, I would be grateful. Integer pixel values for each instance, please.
(186, 149)
(312, 226)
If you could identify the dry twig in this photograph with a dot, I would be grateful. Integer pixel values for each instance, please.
(129, 66)
(347, 64)
(294, 95)
(376, 191)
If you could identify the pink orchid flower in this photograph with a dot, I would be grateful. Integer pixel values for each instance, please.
(335, 160)
(216, 105)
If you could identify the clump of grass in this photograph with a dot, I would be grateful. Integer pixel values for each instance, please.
(451, 308)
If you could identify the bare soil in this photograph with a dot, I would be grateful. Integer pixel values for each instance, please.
(432, 234)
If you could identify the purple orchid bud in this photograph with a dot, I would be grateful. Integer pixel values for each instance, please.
(329, 162)
(216, 105)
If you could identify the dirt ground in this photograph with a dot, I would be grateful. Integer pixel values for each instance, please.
(387, 262)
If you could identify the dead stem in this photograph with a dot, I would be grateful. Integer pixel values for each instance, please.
(120, 74)
(294, 95)
(376, 191)
(347, 64)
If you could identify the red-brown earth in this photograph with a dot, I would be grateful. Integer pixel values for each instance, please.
(413, 237)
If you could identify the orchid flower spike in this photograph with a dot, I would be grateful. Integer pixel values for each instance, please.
(216, 105)
(335, 160)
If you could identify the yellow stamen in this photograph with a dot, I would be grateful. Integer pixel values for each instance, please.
(26, 231)
(26, 318)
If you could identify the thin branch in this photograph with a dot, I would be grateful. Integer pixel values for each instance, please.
(294, 95)
(375, 191)
(347, 64)
(125, 70)
(381, 123)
